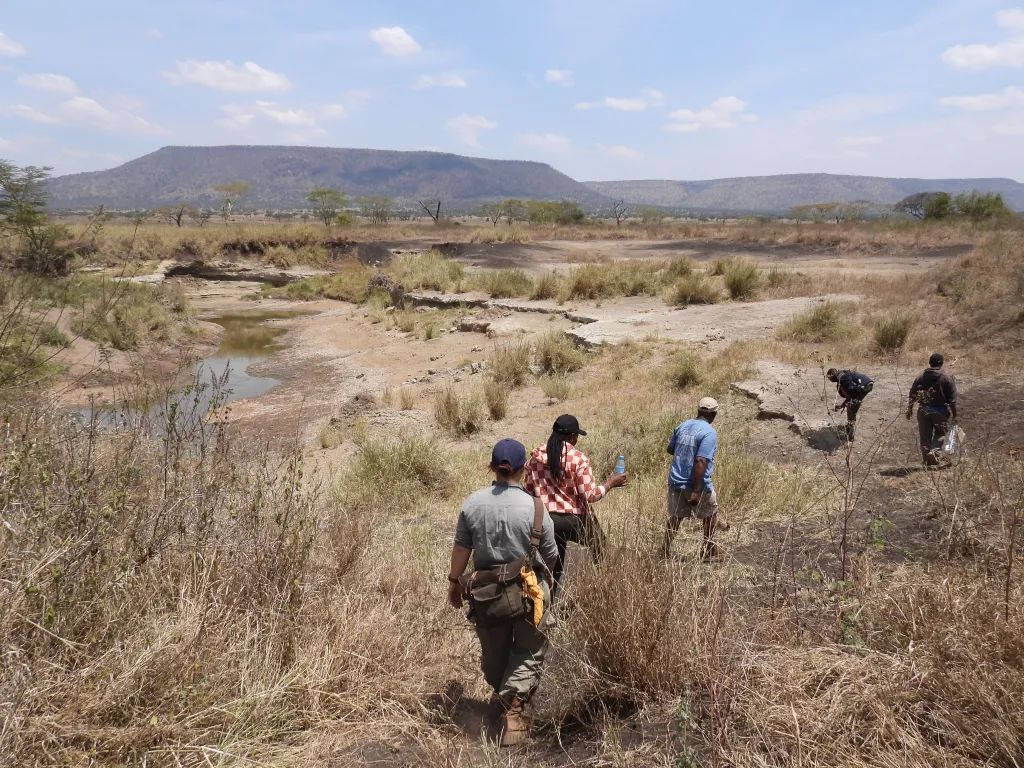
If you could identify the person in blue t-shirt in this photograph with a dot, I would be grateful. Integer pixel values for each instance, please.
(690, 490)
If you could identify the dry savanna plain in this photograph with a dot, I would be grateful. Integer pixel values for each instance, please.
(250, 570)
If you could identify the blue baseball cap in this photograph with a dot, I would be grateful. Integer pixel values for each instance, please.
(509, 453)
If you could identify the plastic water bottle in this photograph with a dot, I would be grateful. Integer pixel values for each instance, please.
(620, 466)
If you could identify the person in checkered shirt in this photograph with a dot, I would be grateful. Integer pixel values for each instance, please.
(561, 476)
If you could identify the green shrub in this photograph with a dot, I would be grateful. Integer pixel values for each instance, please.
(742, 278)
(893, 330)
(678, 268)
(52, 336)
(822, 322)
(459, 416)
(694, 289)
(685, 369)
(556, 353)
(510, 364)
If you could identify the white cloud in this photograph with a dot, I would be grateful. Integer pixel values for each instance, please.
(1011, 18)
(225, 76)
(562, 77)
(5, 144)
(290, 118)
(49, 83)
(466, 127)
(446, 80)
(81, 110)
(547, 142)
(10, 48)
(26, 112)
(650, 98)
(654, 98)
(156, 34)
(333, 111)
(1006, 53)
(860, 141)
(726, 112)
(395, 41)
(621, 152)
(1010, 97)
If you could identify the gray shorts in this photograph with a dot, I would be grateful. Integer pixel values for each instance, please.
(679, 504)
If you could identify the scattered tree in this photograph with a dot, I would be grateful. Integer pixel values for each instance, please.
(379, 210)
(175, 214)
(620, 211)
(229, 196)
(327, 203)
(200, 217)
(23, 197)
(980, 206)
(493, 212)
(917, 205)
(513, 210)
(649, 214)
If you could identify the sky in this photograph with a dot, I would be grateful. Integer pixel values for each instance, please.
(650, 89)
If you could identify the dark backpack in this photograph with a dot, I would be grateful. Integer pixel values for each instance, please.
(858, 386)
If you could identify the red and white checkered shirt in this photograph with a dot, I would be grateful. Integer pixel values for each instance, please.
(573, 492)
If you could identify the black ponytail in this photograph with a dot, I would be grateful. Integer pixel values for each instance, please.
(556, 444)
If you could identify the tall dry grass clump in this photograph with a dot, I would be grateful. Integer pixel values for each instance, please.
(506, 234)
(555, 353)
(694, 289)
(458, 414)
(892, 330)
(504, 283)
(742, 278)
(496, 394)
(510, 364)
(427, 271)
(685, 369)
(825, 321)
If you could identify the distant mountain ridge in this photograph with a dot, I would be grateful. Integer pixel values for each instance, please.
(779, 193)
(282, 177)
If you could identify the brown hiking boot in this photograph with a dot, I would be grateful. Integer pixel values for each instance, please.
(515, 725)
(931, 459)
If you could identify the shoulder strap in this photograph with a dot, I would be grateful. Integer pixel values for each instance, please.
(538, 522)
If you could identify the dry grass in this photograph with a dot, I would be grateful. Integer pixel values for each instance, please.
(496, 394)
(459, 414)
(825, 321)
(509, 364)
(555, 353)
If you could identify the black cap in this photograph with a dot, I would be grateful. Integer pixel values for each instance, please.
(510, 454)
(568, 425)
(936, 360)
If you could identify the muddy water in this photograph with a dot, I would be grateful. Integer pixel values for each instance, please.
(246, 340)
(220, 377)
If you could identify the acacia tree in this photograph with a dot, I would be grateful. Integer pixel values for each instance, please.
(379, 210)
(917, 205)
(327, 203)
(513, 210)
(650, 214)
(493, 212)
(175, 214)
(23, 197)
(229, 196)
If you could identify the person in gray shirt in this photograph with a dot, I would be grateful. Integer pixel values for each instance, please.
(495, 527)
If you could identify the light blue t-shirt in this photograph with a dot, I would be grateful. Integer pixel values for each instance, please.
(692, 439)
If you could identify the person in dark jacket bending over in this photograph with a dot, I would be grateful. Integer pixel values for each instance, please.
(853, 387)
(934, 393)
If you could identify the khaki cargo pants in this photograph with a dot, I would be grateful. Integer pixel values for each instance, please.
(512, 655)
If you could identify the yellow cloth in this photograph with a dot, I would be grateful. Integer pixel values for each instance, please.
(532, 590)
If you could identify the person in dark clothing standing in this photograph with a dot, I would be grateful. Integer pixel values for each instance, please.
(934, 393)
(853, 387)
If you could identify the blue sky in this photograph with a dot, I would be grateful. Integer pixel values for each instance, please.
(601, 90)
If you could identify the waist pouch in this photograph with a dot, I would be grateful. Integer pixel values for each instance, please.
(496, 594)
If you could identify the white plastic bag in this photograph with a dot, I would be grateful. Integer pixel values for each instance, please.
(954, 441)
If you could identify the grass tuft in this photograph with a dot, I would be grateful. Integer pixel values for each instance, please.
(893, 330)
(496, 395)
(556, 353)
(825, 321)
(694, 289)
(510, 364)
(460, 415)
